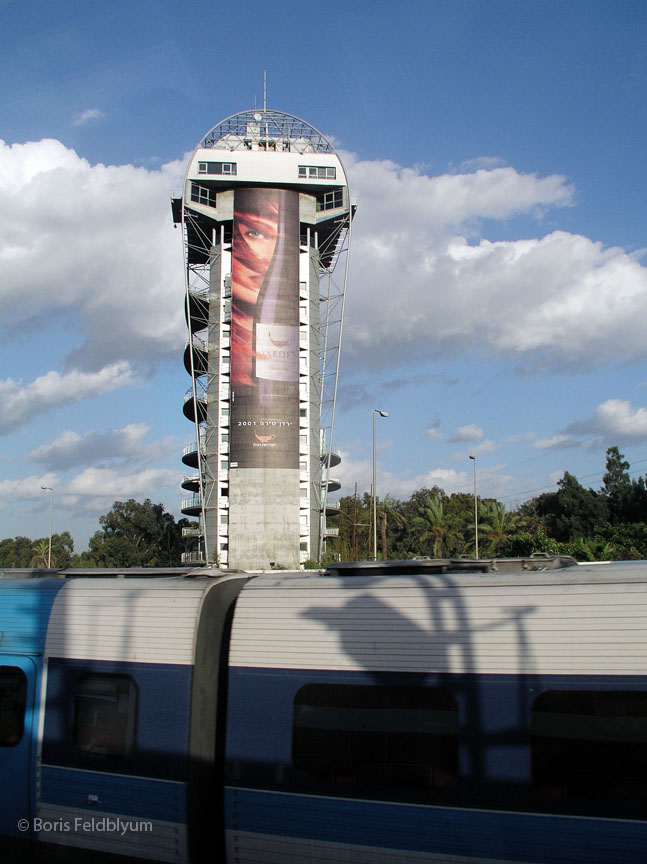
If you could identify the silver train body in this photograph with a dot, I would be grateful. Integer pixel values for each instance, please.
(420, 712)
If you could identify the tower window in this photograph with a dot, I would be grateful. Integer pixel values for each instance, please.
(217, 168)
(203, 195)
(317, 172)
(330, 200)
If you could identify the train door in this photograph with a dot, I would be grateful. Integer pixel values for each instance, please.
(17, 728)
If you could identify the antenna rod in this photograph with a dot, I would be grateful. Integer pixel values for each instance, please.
(264, 89)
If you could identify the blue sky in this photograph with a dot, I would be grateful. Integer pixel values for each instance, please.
(498, 292)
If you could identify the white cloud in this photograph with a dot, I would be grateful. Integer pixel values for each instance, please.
(486, 446)
(398, 200)
(108, 484)
(71, 449)
(20, 402)
(471, 432)
(615, 422)
(487, 162)
(101, 250)
(87, 116)
(27, 489)
(87, 494)
(95, 243)
(420, 288)
(493, 482)
(554, 443)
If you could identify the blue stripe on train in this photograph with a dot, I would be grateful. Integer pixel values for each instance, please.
(26, 606)
(115, 793)
(532, 838)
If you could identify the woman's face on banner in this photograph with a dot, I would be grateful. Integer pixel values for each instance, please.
(254, 245)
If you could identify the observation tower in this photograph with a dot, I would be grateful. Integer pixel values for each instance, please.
(266, 218)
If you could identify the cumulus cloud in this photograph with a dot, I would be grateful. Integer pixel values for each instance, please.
(397, 200)
(93, 490)
(360, 471)
(486, 162)
(424, 283)
(110, 484)
(20, 402)
(615, 422)
(71, 449)
(87, 116)
(486, 446)
(102, 251)
(471, 432)
(27, 488)
(556, 442)
(94, 243)
(493, 481)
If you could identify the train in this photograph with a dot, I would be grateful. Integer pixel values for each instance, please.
(424, 711)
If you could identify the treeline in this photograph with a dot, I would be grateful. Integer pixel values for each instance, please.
(132, 534)
(608, 523)
(605, 524)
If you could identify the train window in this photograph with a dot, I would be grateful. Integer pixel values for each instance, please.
(13, 697)
(365, 735)
(104, 715)
(590, 745)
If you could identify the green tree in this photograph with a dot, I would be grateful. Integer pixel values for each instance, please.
(525, 541)
(572, 511)
(430, 525)
(593, 549)
(388, 514)
(40, 556)
(62, 549)
(617, 486)
(16, 552)
(136, 535)
(629, 540)
(495, 526)
(459, 512)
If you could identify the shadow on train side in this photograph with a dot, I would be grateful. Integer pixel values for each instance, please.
(451, 717)
(446, 645)
(302, 717)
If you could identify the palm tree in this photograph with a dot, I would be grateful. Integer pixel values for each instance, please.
(592, 549)
(386, 510)
(431, 523)
(495, 524)
(40, 554)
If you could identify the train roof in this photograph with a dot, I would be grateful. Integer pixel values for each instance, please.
(577, 620)
(143, 619)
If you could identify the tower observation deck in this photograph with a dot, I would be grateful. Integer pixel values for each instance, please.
(266, 218)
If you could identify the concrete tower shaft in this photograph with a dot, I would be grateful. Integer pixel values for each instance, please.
(266, 216)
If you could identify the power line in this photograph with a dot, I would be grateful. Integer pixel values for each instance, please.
(551, 450)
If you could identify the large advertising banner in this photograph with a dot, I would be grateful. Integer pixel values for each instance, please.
(264, 374)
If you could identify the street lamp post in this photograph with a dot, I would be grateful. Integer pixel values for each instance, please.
(382, 414)
(476, 511)
(51, 511)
